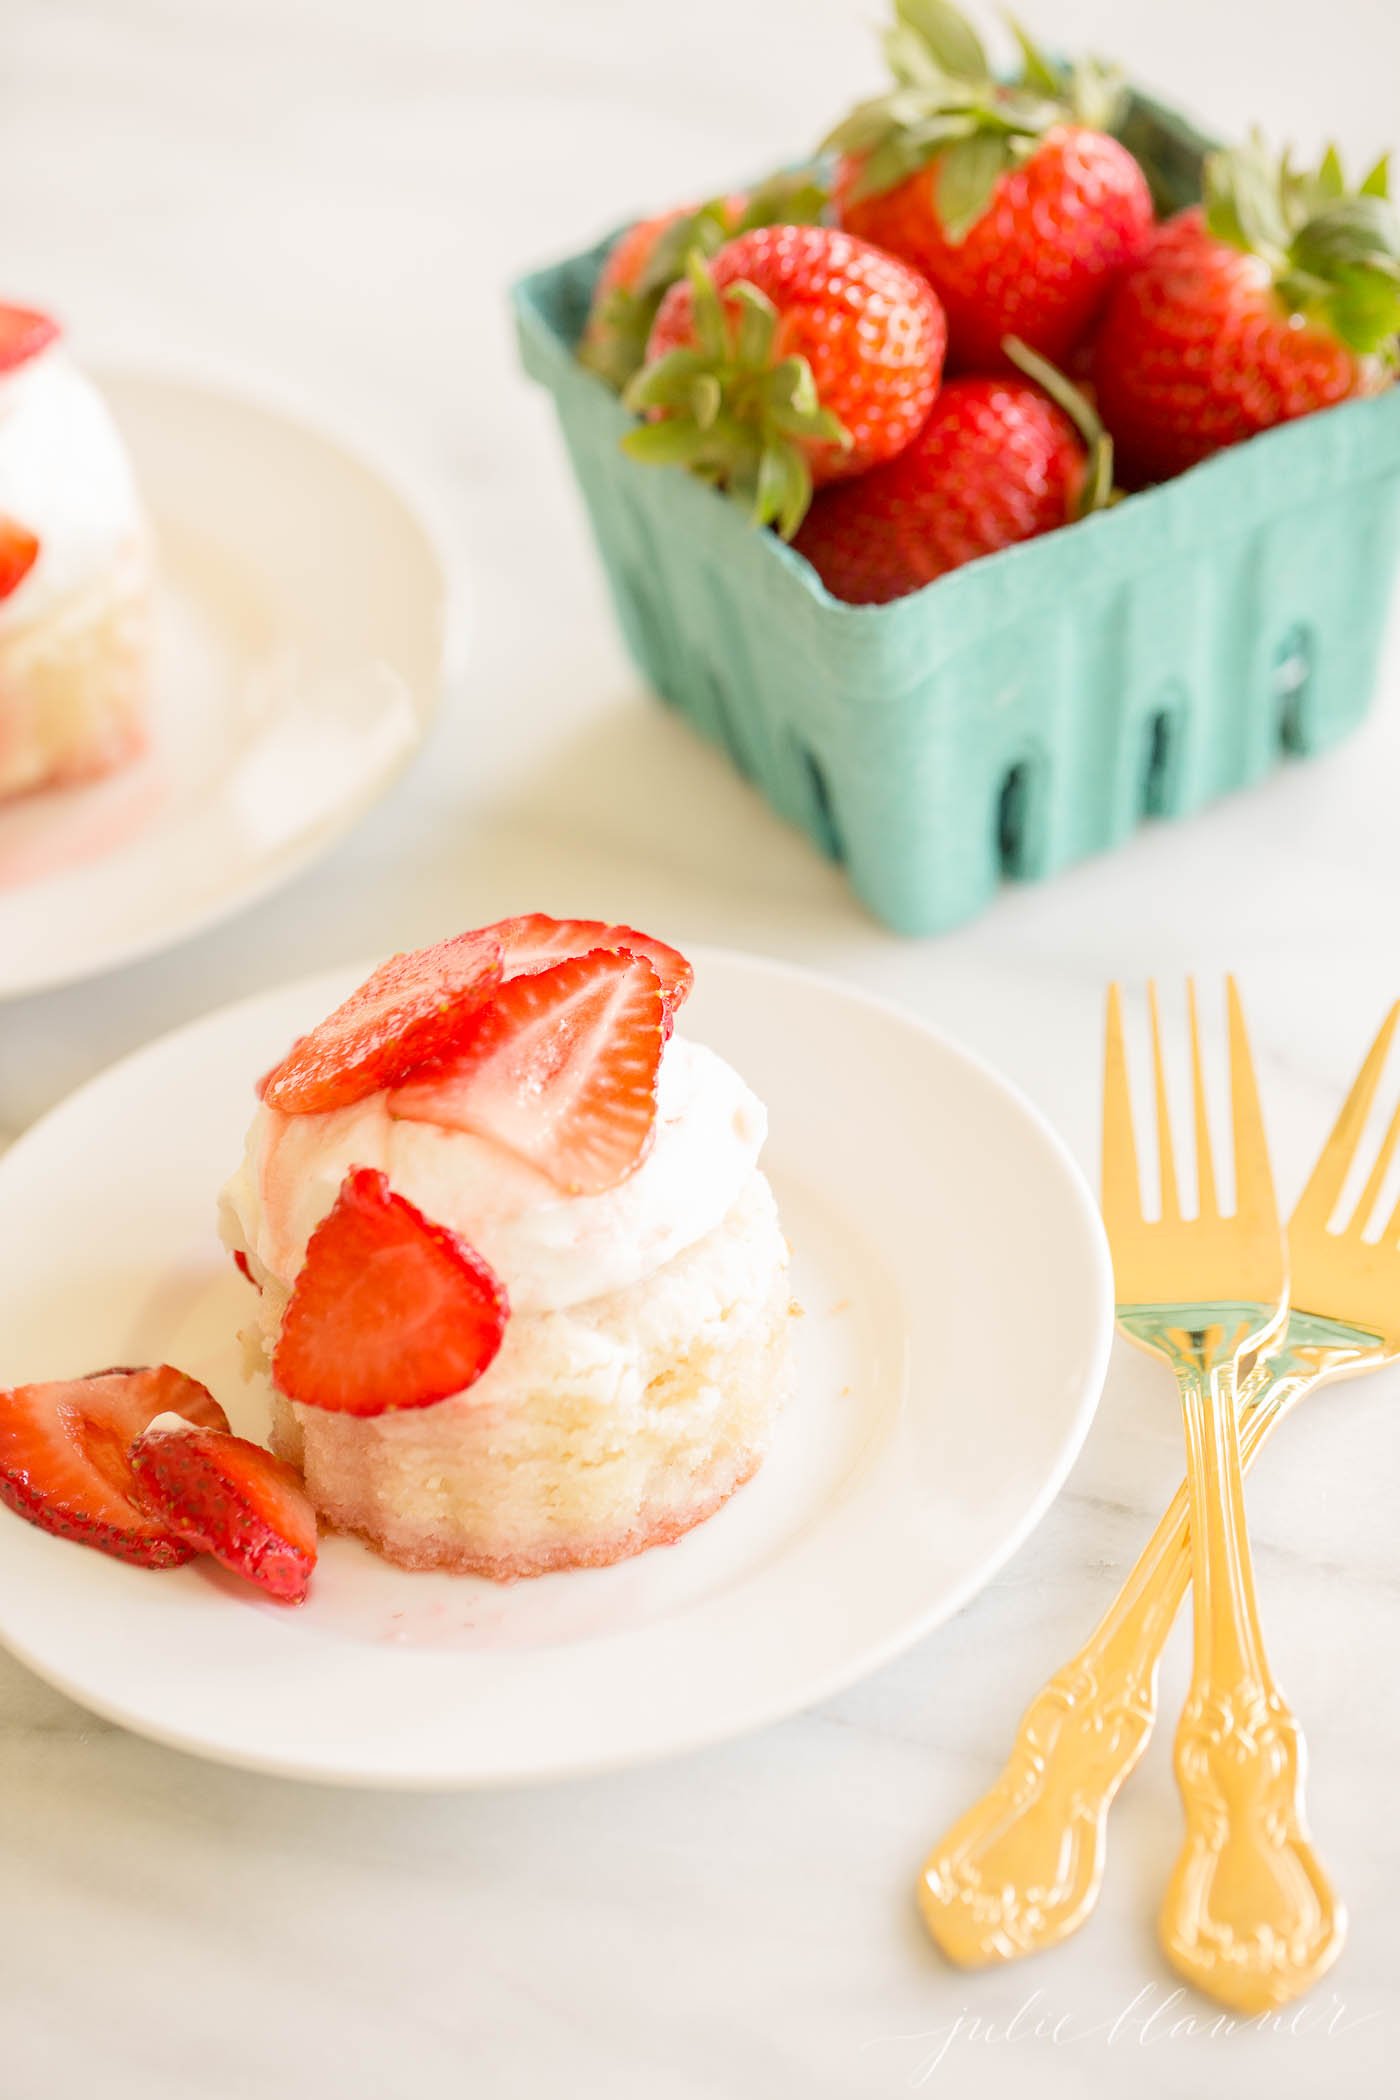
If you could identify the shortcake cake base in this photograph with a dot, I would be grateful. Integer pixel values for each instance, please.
(74, 681)
(598, 1432)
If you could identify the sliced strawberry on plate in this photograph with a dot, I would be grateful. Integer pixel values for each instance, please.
(23, 334)
(534, 941)
(388, 1310)
(19, 550)
(221, 1495)
(412, 1008)
(561, 1070)
(64, 1459)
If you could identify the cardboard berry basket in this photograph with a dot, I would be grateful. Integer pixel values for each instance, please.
(1035, 706)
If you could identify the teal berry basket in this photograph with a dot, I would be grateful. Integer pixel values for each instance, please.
(1033, 707)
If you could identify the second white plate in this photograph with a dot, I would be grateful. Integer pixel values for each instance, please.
(958, 1312)
(301, 615)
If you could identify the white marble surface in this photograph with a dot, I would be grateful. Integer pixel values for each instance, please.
(334, 193)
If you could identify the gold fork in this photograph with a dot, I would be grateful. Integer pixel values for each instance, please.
(1022, 1868)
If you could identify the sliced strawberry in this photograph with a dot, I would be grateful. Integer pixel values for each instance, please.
(244, 1268)
(23, 334)
(412, 1008)
(64, 1460)
(533, 942)
(220, 1494)
(19, 550)
(561, 1069)
(388, 1309)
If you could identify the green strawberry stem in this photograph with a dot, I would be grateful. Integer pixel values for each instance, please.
(617, 347)
(793, 197)
(1096, 491)
(732, 411)
(1091, 90)
(1333, 252)
(948, 105)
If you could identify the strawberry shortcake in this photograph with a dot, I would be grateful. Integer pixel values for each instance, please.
(74, 571)
(522, 1290)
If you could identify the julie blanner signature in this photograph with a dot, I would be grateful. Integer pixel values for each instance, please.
(1155, 2016)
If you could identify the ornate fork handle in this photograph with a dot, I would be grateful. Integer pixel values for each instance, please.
(1249, 1915)
(1021, 1870)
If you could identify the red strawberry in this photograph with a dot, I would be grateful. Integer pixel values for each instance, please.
(1020, 215)
(388, 1310)
(219, 1494)
(629, 291)
(997, 462)
(1277, 298)
(562, 1071)
(64, 1460)
(798, 356)
(413, 1007)
(23, 334)
(632, 250)
(648, 258)
(535, 940)
(19, 550)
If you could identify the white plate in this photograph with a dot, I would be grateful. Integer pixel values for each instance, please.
(299, 658)
(958, 1314)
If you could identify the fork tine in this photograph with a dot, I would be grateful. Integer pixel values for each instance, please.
(1207, 1205)
(1171, 1201)
(1319, 1199)
(1122, 1194)
(1371, 1194)
(1254, 1180)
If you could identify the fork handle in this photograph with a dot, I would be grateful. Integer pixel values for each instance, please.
(1249, 1915)
(1021, 1870)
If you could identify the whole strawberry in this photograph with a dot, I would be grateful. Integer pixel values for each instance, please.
(997, 462)
(798, 356)
(1279, 296)
(614, 338)
(1014, 202)
(646, 260)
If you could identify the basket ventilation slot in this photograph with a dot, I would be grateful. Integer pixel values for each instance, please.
(1160, 761)
(1293, 670)
(1017, 845)
(822, 815)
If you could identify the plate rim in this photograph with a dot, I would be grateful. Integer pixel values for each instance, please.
(278, 403)
(822, 1685)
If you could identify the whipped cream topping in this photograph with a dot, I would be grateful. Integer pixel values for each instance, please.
(549, 1249)
(65, 475)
